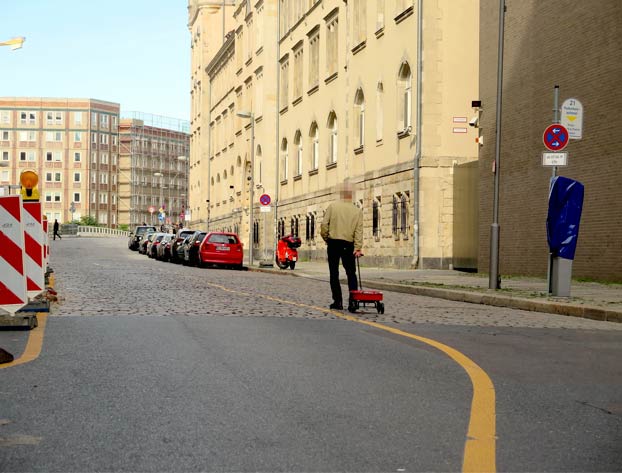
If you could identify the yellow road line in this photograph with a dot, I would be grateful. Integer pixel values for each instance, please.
(35, 338)
(480, 446)
(34, 344)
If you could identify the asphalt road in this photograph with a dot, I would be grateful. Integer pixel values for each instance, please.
(149, 366)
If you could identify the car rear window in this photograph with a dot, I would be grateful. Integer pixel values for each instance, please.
(186, 233)
(230, 239)
(141, 230)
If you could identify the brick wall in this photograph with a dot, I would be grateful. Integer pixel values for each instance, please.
(578, 46)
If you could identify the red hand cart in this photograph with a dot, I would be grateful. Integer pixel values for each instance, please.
(360, 297)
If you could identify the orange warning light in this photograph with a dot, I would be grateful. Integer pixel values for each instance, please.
(29, 181)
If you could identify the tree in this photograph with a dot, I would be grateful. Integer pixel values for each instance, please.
(88, 220)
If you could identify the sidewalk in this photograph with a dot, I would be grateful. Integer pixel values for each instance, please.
(588, 300)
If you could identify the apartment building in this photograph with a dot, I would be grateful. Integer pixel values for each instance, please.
(336, 95)
(153, 170)
(72, 144)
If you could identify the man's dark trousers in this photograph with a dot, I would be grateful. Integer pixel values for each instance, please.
(344, 251)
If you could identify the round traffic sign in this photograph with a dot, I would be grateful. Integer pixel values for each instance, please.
(555, 137)
(265, 199)
(151, 209)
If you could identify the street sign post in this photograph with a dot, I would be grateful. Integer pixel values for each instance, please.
(555, 137)
(572, 118)
(265, 199)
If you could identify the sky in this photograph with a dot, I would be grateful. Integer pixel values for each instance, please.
(132, 52)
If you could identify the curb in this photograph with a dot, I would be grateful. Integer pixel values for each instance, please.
(490, 298)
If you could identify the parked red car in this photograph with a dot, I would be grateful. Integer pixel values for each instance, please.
(222, 249)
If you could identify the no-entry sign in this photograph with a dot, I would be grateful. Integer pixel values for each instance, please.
(555, 137)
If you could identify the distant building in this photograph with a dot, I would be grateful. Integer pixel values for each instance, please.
(153, 170)
(72, 144)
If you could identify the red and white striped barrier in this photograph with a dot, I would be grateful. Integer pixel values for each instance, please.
(33, 247)
(13, 294)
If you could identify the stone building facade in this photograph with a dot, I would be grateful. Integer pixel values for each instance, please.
(576, 46)
(335, 96)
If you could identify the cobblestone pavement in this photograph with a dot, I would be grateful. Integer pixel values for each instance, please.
(100, 276)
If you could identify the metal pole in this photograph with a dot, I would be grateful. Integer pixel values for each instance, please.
(251, 196)
(494, 280)
(549, 270)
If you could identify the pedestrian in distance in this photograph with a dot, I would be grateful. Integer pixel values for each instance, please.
(342, 230)
(56, 227)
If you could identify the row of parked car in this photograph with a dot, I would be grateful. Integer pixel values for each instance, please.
(189, 247)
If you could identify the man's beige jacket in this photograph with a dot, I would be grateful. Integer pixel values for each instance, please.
(343, 221)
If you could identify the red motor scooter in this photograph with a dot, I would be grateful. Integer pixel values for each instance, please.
(286, 251)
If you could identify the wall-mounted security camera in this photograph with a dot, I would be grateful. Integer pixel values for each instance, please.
(474, 121)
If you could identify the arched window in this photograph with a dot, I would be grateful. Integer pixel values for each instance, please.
(298, 146)
(379, 111)
(256, 234)
(404, 97)
(404, 214)
(394, 212)
(333, 142)
(284, 160)
(314, 134)
(359, 118)
(376, 218)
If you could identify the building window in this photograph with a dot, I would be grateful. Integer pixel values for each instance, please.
(298, 55)
(5, 116)
(314, 135)
(77, 136)
(394, 212)
(256, 234)
(314, 59)
(77, 156)
(77, 196)
(77, 177)
(94, 138)
(332, 45)
(5, 155)
(379, 111)
(404, 215)
(77, 118)
(333, 142)
(6, 135)
(359, 118)
(284, 160)
(93, 119)
(310, 227)
(376, 218)
(404, 95)
(27, 118)
(379, 14)
(298, 145)
(360, 21)
(284, 82)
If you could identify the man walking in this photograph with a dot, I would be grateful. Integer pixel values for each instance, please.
(56, 234)
(342, 230)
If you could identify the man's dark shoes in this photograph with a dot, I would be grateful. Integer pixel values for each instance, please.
(336, 306)
(352, 307)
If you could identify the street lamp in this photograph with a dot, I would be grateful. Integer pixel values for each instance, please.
(180, 159)
(14, 43)
(159, 174)
(251, 178)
